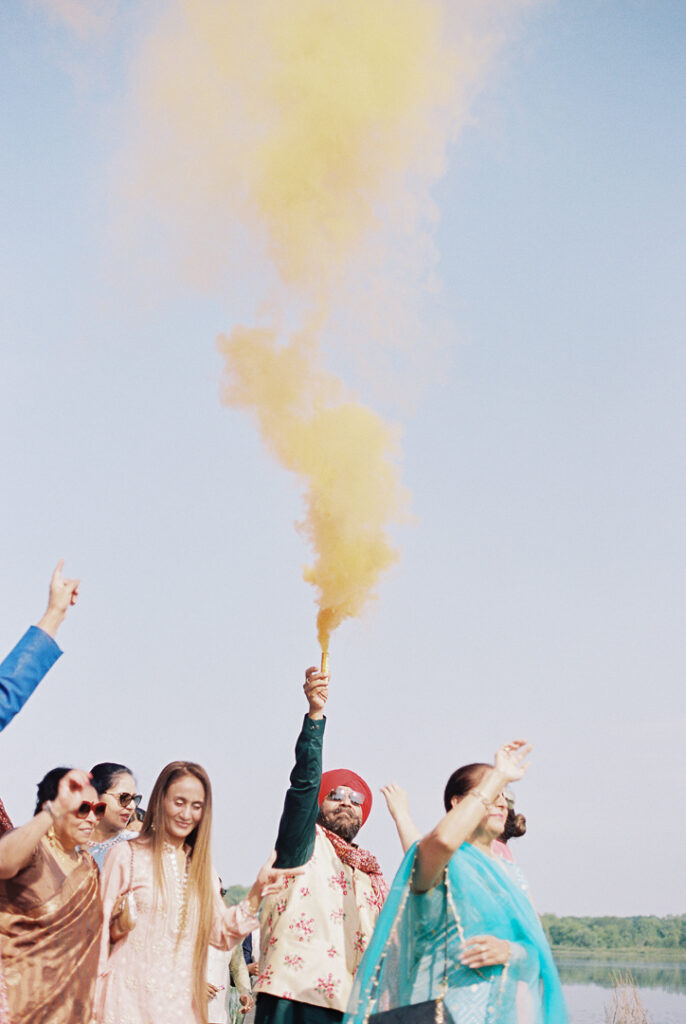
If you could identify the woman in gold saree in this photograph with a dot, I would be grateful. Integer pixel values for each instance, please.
(50, 910)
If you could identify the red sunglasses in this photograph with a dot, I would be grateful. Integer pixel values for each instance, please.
(84, 809)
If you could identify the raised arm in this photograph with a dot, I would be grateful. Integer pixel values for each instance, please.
(17, 846)
(36, 652)
(436, 848)
(399, 808)
(295, 840)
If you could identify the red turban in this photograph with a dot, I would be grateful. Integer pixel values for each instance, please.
(344, 777)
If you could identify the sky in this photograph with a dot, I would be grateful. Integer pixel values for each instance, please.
(539, 396)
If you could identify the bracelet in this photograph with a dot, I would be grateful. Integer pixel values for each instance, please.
(247, 909)
(47, 806)
(480, 796)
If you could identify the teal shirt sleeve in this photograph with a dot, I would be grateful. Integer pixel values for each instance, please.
(295, 841)
(23, 669)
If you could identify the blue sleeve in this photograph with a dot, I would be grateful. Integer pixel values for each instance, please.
(295, 841)
(23, 669)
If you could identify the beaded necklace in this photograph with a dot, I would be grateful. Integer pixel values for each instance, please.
(180, 885)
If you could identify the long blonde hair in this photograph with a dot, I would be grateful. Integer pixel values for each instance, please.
(201, 880)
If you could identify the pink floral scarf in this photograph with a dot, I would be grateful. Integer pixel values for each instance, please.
(363, 860)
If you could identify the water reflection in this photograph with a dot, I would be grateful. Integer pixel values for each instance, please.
(665, 975)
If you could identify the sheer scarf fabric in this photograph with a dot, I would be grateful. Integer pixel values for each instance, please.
(414, 953)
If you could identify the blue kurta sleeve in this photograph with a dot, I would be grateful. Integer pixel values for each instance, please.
(295, 841)
(23, 669)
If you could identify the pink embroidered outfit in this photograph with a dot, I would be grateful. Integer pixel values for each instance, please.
(147, 978)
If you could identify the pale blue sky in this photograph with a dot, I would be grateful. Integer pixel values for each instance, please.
(540, 593)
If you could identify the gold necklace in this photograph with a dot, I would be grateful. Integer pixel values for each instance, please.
(64, 858)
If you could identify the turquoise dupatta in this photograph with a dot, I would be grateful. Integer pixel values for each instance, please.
(414, 952)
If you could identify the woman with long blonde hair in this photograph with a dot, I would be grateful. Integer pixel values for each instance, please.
(162, 908)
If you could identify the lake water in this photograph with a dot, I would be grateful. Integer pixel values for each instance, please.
(588, 988)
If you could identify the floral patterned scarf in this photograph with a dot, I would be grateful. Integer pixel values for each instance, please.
(363, 860)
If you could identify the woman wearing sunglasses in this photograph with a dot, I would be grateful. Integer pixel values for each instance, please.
(458, 929)
(50, 910)
(116, 787)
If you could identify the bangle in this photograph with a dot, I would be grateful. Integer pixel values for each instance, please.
(480, 796)
(247, 907)
(47, 806)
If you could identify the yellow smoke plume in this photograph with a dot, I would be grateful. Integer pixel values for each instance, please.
(317, 126)
(301, 119)
(339, 448)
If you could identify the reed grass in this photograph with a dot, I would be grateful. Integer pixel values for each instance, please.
(625, 1006)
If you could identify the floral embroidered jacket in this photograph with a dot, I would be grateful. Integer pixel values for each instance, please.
(314, 932)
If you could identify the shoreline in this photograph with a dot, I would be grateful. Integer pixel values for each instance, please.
(647, 954)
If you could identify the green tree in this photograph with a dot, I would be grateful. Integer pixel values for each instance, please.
(235, 893)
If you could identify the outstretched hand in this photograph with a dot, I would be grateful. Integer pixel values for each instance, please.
(510, 759)
(396, 800)
(270, 880)
(399, 806)
(63, 594)
(316, 690)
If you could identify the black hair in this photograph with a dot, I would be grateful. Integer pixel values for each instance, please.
(461, 781)
(468, 777)
(103, 775)
(515, 826)
(48, 786)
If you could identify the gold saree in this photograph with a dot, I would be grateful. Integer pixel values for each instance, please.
(50, 925)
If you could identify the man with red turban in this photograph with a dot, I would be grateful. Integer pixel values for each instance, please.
(313, 932)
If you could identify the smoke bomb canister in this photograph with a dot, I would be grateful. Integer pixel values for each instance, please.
(325, 661)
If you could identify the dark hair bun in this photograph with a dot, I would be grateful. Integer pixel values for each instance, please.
(518, 826)
(515, 826)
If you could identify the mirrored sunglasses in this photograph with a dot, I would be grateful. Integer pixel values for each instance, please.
(341, 792)
(126, 798)
(84, 809)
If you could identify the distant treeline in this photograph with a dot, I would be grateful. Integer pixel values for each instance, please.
(589, 932)
(616, 932)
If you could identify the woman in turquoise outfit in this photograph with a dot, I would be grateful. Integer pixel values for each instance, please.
(458, 927)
